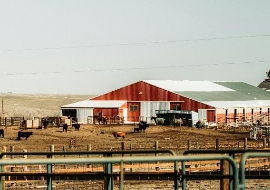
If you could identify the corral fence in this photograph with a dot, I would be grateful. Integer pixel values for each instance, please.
(121, 163)
(35, 121)
(146, 175)
(11, 121)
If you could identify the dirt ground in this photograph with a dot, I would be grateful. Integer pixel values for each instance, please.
(100, 138)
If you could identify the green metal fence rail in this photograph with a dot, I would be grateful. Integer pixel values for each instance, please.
(242, 175)
(231, 153)
(108, 166)
(121, 161)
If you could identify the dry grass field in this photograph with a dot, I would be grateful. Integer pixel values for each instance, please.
(36, 105)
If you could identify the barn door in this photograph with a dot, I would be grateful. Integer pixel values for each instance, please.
(133, 111)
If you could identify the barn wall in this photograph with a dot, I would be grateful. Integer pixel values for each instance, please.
(202, 115)
(83, 113)
(141, 91)
(106, 112)
(211, 116)
(148, 109)
(193, 105)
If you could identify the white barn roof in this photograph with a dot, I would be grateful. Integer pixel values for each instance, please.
(238, 104)
(185, 85)
(96, 104)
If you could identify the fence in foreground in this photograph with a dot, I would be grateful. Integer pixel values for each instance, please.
(108, 180)
(114, 172)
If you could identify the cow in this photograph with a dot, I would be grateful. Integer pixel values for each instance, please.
(25, 134)
(143, 125)
(2, 133)
(119, 134)
(65, 127)
(76, 126)
(103, 120)
(158, 120)
(137, 129)
(118, 119)
(100, 119)
(199, 124)
(178, 122)
(45, 123)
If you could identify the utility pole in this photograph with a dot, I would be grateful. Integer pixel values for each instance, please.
(2, 108)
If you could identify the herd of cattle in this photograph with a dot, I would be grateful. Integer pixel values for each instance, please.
(43, 124)
(142, 126)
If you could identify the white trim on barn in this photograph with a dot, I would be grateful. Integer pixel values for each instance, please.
(96, 104)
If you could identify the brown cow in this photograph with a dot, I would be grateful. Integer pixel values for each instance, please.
(119, 134)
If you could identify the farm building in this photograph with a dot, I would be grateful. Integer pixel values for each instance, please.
(219, 102)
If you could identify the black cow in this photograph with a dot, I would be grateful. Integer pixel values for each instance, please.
(65, 127)
(2, 133)
(136, 129)
(76, 126)
(25, 134)
(199, 124)
(45, 123)
(143, 125)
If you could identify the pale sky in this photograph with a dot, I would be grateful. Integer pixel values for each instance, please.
(93, 47)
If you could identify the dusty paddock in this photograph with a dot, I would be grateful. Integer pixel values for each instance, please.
(100, 138)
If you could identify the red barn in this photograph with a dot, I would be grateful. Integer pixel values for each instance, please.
(209, 101)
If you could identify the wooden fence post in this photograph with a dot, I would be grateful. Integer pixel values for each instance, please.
(123, 147)
(225, 166)
(25, 168)
(156, 148)
(264, 142)
(89, 148)
(197, 145)
(188, 144)
(245, 143)
(3, 169)
(52, 150)
(130, 148)
(217, 144)
(64, 150)
(11, 150)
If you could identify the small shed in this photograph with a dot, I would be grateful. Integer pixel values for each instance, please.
(187, 116)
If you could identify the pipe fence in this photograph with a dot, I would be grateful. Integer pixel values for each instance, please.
(121, 161)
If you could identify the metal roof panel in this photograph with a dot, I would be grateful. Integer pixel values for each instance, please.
(185, 85)
(96, 104)
(238, 104)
